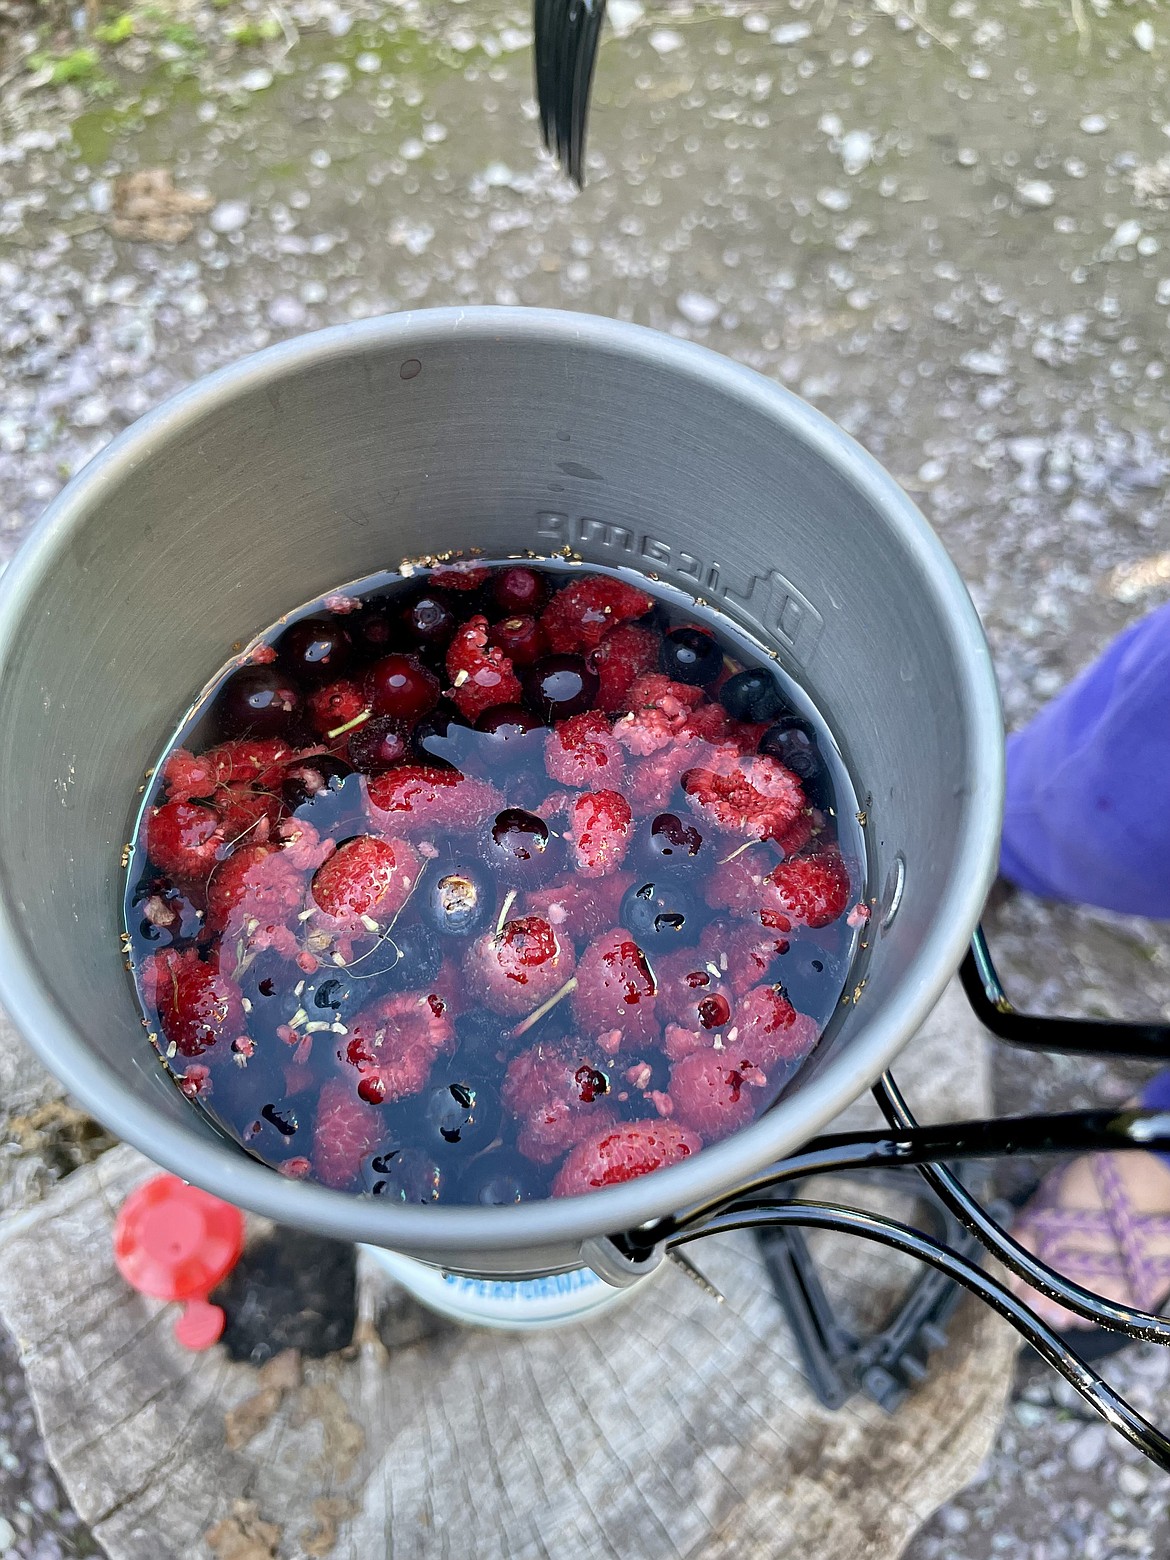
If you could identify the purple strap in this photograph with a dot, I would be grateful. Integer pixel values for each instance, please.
(1058, 1233)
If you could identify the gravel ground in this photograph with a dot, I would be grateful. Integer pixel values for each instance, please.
(942, 226)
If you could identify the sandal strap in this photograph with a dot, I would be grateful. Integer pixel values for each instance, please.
(1131, 1231)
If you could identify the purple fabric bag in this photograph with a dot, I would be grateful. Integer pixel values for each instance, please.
(1087, 816)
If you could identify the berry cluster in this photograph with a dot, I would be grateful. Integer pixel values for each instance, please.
(488, 883)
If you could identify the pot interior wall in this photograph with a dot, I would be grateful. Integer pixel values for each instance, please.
(362, 457)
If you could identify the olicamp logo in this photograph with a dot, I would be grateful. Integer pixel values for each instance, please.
(769, 603)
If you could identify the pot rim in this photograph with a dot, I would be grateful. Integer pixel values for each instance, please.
(222, 1168)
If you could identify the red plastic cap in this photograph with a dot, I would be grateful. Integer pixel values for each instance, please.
(175, 1242)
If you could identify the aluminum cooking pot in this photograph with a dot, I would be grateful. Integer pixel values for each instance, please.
(343, 452)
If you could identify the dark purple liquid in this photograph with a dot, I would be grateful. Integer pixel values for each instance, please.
(391, 933)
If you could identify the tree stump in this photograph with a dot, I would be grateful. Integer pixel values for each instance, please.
(669, 1425)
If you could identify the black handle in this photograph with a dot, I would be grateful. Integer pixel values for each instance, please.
(1036, 1032)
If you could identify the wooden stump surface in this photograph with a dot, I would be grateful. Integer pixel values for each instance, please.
(668, 1426)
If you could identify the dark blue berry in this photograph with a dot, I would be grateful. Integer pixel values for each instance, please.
(458, 902)
(316, 648)
(672, 843)
(500, 1179)
(753, 696)
(793, 743)
(557, 686)
(462, 1115)
(439, 740)
(520, 846)
(480, 1035)
(402, 1175)
(379, 743)
(407, 959)
(258, 701)
(691, 656)
(660, 916)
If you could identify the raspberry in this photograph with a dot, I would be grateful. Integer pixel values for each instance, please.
(813, 890)
(583, 751)
(246, 814)
(246, 762)
(197, 1006)
(656, 691)
(621, 1153)
(417, 799)
(345, 1131)
(461, 574)
(336, 705)
(743, 886)
(711, 723)
(481, 673)
(767, 1029)
(615, 989)
(600, 823)
(515, 969)
(258, 883)
(394, 1042)
(183, 839)
(742, 954)
(579, 617)
(558, 1097)
(621, 657)
(366, 879)
(756, 797)
(679, 1041)
(650, 784)
(659, 713)
(579, 906)
(713, 1095)
(692, 989)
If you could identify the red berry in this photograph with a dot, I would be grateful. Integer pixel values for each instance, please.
(600, 825)
(517, 968)
(557, 1096)
(581, 907)
(620, 659)
(183, 839)
(345, 1131)
(335, 705)
(659, 714)
(651, 782)
(519, 590)
(756, 797)
(198, 1008)
(481, 674)
(400, 685)
(713, 1094)
(743, 886)
(247, 814)
(616, 989)
(813, 890)
(416, 799)
(507, 721)
(687, 981)
(520, 638)
(580, 616)
(393, 1044)
(767, 1029)
(582, 751)
(365, 879)
(743, 955)
(462, 574)
(712, 723)
(252, 898)
(621, 1153)
(259, 763)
